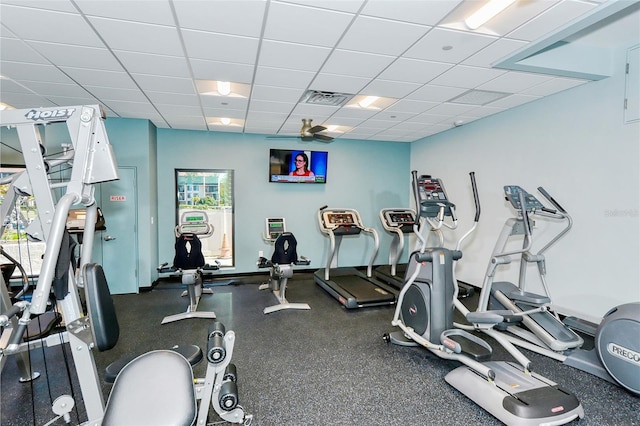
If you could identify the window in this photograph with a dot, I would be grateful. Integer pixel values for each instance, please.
(210, 191)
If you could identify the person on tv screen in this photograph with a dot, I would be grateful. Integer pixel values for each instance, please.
(302, 166)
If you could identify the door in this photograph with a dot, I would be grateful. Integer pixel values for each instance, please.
(119, 204)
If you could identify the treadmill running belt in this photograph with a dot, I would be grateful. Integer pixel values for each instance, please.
(363, 290)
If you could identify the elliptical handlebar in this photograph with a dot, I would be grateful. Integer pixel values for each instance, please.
(476, 198)
(551, 200)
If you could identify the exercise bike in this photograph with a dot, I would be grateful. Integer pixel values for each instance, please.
(190, 264)
(615, 356)
(424, 313)
(283, 260)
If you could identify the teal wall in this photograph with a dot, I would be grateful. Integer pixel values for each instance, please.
(134, 145)
(364, 175)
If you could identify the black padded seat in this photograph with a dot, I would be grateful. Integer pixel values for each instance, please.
(192, 353)
(155, 389)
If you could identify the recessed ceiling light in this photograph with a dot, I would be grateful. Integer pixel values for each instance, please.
(487, 12)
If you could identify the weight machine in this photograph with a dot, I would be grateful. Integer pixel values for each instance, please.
(92, 162)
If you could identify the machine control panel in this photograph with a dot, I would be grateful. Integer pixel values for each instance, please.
(432, 197)
(275, 227)
(402, 218)
(341, 222)
(194, 222)
(531, 203)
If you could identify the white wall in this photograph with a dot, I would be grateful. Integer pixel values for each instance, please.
(576, 146)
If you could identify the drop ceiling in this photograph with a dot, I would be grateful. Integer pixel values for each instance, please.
(149, 59)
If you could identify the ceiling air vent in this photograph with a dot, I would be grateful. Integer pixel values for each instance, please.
(317, 97)
(478, 97)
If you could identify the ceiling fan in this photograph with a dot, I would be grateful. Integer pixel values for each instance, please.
(308, 132)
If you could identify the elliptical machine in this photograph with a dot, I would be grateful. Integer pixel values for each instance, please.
(424, 313)
(616, 353)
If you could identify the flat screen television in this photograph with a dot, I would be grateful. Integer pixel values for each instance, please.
(297, 166)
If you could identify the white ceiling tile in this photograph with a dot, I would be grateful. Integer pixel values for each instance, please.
(318, 112)
(305, 25)
(222, 16)
(50, 26)
(95, 77)
(465, 76)
(156, 83)
(133, 109)
(382, 36)
(156, 12)
(175, 99)
(414, 70)
(258, 105)
(483, 111)
(116, 94)
(276, 94)
(435, 93)
(354, 113)
(223, 112)
(56, 89)
(72, 100)
(222, 71)
(513, 101)
(220, 47)
(77, 56)
(428, 118)
(356, 63)
(174, 110)
(419, 12)
(25, 100)
(351, 6)
(143, 63)
(514, 82)
(338, 83)
(434, 45)
(407, 105)
(224, 102)
(13, 49)
(553, 18)
(149, 38)
(494, 52)
(389, 89)
(280, 77)
(188, 123)
(392, 116)
(59, 5)
(290, 55)
(553, 86)
(33, 72)
(447, 108)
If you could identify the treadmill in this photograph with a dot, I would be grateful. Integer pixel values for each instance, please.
(350, 286)
(400, 222)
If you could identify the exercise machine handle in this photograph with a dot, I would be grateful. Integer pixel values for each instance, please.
(551, 199)
(416, 189)
(476, 198)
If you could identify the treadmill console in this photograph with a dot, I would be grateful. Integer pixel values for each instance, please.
(341, 222)
(531, 203)
(402, 219)
(432, 197)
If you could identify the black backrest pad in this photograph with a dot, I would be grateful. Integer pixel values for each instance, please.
(285, 249)
(188, 252)
(101, 311)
